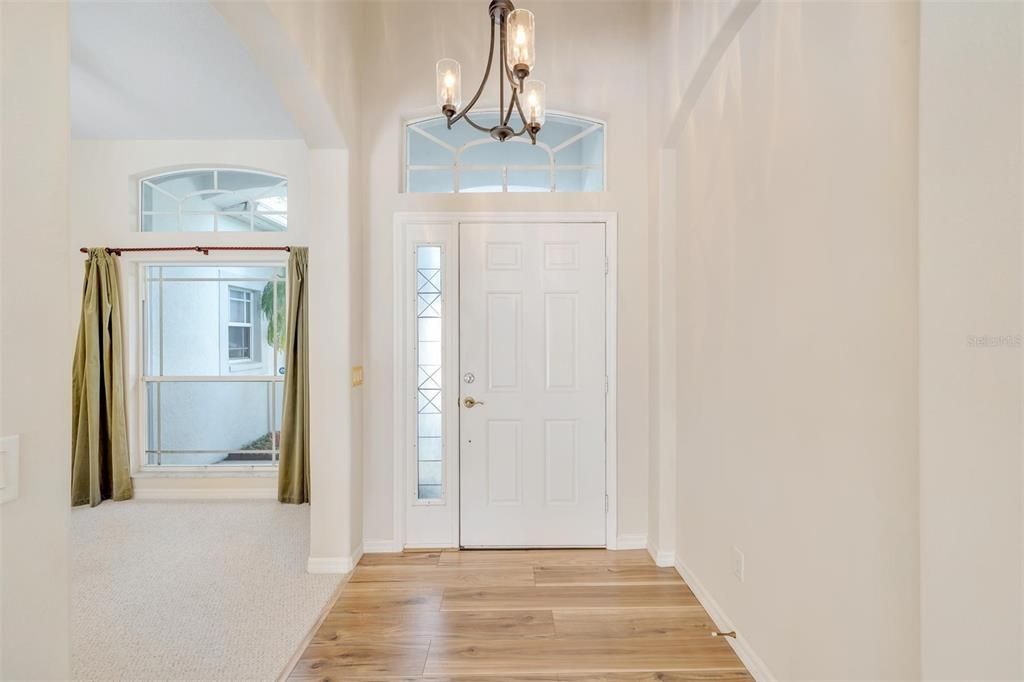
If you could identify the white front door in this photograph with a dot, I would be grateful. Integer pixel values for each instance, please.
(532, 356)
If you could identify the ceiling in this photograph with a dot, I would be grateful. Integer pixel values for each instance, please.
(167, 70)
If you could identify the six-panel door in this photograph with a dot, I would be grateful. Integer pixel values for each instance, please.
(532, 364)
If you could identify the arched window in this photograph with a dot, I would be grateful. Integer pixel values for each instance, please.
(213, 200)
(568, 157)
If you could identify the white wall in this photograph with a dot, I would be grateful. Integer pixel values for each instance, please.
(36, 345)
(795, 203)
(972, 76)
(593, 63)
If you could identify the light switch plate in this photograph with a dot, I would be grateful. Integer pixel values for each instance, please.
(357, 375)
(738, 564)
(9, 459)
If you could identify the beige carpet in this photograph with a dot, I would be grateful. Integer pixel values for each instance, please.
(191, 590)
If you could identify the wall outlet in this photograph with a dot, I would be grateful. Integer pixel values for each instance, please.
(737, 563)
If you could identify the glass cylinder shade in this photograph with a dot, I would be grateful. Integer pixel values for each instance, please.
(519, 38)
(533, 102)
(449, 84)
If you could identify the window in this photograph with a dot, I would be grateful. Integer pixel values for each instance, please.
(240, 324)
(213, 200)
(568, 157)
(429, 396)
(213, 365)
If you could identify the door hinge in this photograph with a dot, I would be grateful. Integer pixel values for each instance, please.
(606, 502)
(606, 383)
(606, 265)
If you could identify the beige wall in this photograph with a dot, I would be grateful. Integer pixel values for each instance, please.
(795, 202)
(972, 75)
(36, 346)
(593, 63)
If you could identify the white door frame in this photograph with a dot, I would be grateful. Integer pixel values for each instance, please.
(449, 222)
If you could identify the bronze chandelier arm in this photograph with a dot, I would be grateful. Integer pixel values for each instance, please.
(519, 108)
(512, 102)
(473, 123)
(526, 125)
(480, 90)
(501, 71)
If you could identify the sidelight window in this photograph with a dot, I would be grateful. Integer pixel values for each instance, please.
(429, 389)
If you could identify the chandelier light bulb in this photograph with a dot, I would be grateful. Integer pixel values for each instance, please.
(535, 112)
(449, 85)
(519, 54)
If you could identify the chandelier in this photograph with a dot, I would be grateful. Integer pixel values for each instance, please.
(515, 60)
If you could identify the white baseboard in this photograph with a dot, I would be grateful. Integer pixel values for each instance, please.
(381, 547)
(755, 666)
(142, 493)
(630, 542)
(425, 545)
(334, 564)
(663, 558)
(357, 555)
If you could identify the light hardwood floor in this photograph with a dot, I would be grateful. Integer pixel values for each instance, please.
(538, 615)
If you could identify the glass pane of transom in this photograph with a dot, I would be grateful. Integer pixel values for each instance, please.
(480, 164)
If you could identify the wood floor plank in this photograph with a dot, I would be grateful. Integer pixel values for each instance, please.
(568, 597)
(401, 559)
(392, 657)
(605, 575)
(447, 576)
(687, 621)
(636, 654)
(661, 676)
(544, 557)
(596, 616)
(387, 600)
(444, 678)
(653, 676)
(450, 624)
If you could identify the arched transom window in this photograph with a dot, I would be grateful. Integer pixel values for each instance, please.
(213, 200)
(568, 157)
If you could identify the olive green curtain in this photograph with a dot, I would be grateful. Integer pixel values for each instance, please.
(293, 474)
(100, 465)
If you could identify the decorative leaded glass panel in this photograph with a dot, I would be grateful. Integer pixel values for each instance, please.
(429, 391)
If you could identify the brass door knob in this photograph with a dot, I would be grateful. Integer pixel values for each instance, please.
(470, 401)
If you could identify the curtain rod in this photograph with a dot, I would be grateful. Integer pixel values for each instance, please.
(205, 250)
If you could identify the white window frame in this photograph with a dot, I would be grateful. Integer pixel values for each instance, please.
(552, 167)
(216, 170)
(249, 300)
(139, 348)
